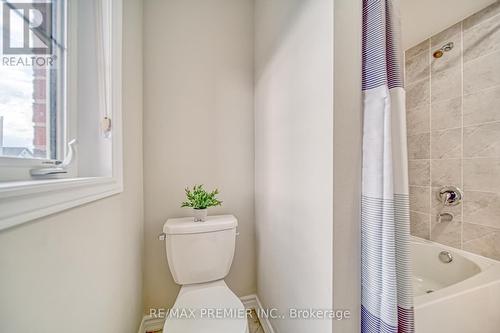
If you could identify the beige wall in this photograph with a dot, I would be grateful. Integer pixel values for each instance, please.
(347, 164)
(294, 155)
(424, 18)
(198, 116)
(80, 270)
(454, 133)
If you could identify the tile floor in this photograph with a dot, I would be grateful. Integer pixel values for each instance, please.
(253, 324)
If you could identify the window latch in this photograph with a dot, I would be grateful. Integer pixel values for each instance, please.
(57, 169)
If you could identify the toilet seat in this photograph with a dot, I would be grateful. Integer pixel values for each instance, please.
(206, 308)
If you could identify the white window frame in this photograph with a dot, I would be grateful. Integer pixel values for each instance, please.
(23, 201)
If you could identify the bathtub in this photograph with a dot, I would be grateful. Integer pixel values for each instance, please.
(462, 296)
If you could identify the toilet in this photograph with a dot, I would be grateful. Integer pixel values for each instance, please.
(200, 255)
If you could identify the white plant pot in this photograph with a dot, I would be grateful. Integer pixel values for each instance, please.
(200, 215)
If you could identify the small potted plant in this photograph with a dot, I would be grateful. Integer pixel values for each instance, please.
(200, 200)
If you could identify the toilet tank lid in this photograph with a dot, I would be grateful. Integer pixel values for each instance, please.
(186, 225)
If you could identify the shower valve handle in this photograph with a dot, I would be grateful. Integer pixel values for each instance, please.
(450, 195)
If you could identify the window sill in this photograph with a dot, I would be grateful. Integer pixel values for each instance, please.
(23, 201)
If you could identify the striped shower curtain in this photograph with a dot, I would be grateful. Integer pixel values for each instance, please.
(387, 300)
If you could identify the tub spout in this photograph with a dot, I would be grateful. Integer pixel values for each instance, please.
(445, 217)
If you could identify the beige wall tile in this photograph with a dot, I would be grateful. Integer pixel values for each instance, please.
(418, 67)
(482, 240)
(447, 233)
(417, 49)
(417, 94)
(418, 120)
(473, 231)
(420, 198)
(419, 172)
(482, 107)
(481, 16)
(446, 144)
(482, 73)
(446, 84)
(445, 36)
(420, 225)
(482, 174)
(482, 39)
(446, 172)
(419, 146)
(471, 131)
(482, 140)
(482, 208)
(446, 114)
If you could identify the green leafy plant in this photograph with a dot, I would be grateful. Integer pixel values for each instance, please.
(198, 198)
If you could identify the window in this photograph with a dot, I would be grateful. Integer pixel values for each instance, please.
(60, 83)
(32, 86)
(29, 99)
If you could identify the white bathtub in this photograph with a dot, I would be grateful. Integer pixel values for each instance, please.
(462, 296)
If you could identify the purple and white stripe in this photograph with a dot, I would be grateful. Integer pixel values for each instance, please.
(382, 63)
(387, 299)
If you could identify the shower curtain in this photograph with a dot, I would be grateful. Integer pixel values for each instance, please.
(387, 299)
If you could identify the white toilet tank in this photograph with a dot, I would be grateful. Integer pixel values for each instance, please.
(200, 252)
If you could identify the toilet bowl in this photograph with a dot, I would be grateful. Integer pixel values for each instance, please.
(200, 255)
(211, 308)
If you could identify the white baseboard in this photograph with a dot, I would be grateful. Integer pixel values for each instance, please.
(151, 324)
(249, 302)
(253, 302)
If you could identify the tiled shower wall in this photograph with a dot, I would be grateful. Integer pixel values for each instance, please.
(453, 121)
